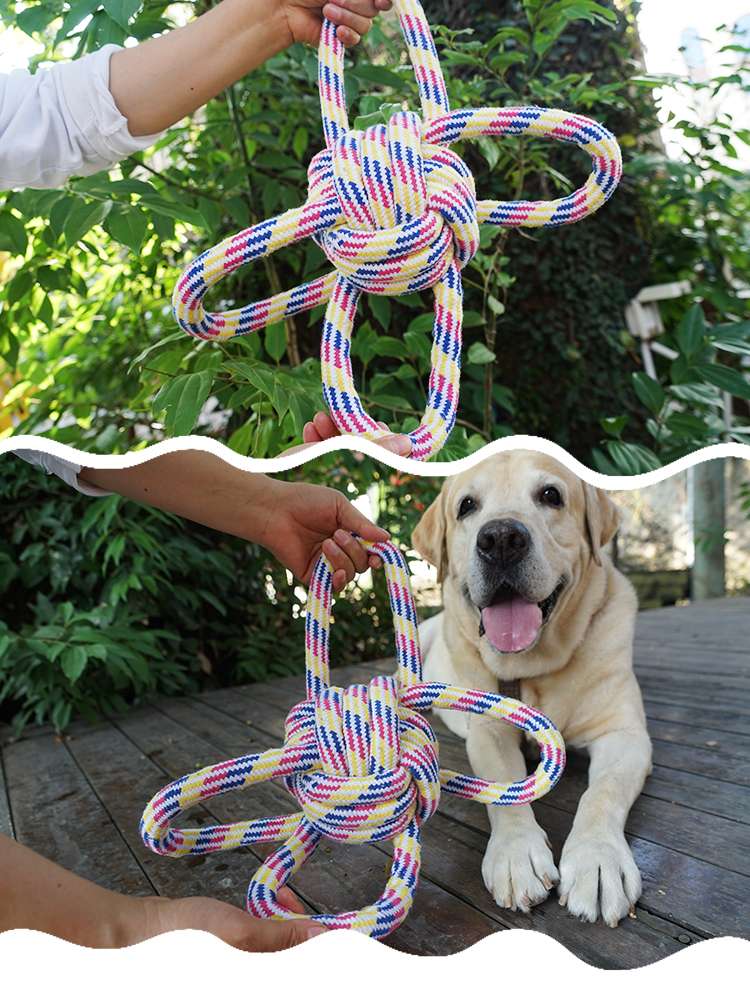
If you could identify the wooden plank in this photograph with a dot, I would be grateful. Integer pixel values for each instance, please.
(649, 937)
(125, 779)
(697, 717)
(722, 712)
(6, 819)
(697, 897)
(338, 877)
(56, 813)
(448, 868)
(718, 741)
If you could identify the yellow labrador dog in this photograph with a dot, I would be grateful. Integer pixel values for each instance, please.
(528, 596)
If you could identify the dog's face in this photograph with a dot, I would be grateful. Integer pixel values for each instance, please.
(515, 535)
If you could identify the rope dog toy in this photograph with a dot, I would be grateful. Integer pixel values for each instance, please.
(362, 762)
(395, 211)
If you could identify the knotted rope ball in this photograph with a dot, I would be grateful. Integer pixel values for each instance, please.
(395, 211)
(362, 762)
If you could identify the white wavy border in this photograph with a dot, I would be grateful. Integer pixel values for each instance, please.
(351, 961)
(435, 469)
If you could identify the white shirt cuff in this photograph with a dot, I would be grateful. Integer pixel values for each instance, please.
(68, 471)
(84, 84)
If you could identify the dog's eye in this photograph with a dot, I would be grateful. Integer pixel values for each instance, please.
(551, 496)
(466, 506)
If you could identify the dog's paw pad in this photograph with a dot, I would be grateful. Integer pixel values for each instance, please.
(518, 870)
(599, 879)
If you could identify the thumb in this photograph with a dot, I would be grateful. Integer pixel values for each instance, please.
(269, 936)
(397, 444)
(351, 519)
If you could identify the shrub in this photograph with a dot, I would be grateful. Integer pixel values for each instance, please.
(106, 601)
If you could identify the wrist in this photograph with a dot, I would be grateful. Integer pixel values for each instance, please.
(267, 517)
(273, 16)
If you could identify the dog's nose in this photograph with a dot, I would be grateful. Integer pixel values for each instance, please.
(503, 542)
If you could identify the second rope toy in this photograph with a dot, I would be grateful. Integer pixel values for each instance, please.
(362, 762)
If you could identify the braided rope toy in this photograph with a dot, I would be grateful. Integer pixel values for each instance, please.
(362, 762)
(395, 211)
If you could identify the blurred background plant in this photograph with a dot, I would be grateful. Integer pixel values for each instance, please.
(88, 349)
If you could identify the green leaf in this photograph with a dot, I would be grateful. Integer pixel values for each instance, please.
(300, 141)
(82, 217)
(181, 400)
(59, 214)
(479, 354)
(649, 392)
(631, 459)
(687, 425)
(36, 17)
(691, 331)
(381, 310)
(241, 438)
(615, 425)
(728, 379)
(424, 322)
(275, 340)
(12, 234)
(122, 11)
(495, 305)
(73, 661)
(377, 74)
(76, 13)
(128, 226)
(177, 211)
(390, 347)
(472, 319)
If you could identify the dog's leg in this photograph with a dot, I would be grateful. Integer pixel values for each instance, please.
(598, 873)
(518, 868)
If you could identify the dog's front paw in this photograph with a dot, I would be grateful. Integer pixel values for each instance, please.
(518, 868)
(598, 877)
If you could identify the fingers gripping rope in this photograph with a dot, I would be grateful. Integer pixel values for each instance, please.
(362, 762)
(395, 211)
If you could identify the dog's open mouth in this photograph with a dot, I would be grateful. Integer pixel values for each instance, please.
(513, 623)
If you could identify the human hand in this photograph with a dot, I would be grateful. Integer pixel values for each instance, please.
(232, 925)
(353, 18)
(321, 427)
(306, 521)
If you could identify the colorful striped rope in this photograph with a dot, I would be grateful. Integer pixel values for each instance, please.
(362, 762)
(395, 211)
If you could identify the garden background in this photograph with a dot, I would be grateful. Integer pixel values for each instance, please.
(89, 353)
(104, 602)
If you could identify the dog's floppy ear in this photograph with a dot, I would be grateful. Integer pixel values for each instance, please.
(429, 536)
(602, 518)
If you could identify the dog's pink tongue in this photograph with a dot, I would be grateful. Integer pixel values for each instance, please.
(512, 625)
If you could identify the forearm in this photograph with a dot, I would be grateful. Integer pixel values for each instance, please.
(37, 894)
(164, 79)
(201, 487)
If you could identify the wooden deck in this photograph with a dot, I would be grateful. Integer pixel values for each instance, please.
(79, 800)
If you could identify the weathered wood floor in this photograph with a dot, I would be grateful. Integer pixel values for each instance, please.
(79, 801)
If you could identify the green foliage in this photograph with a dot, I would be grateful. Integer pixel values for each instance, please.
(687, 411)
(700, 232)
(87, 336)
(104, 602)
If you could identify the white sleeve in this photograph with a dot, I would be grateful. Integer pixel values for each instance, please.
(66, 470)
(60, 122)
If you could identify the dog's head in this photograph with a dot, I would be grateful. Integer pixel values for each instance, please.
(515, 535)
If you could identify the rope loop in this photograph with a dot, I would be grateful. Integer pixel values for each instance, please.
(362, 762)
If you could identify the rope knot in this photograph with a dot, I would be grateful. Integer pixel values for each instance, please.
(378, 763)
(409, 206)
